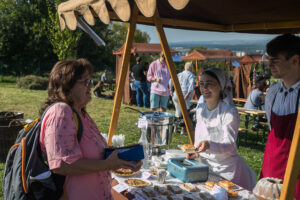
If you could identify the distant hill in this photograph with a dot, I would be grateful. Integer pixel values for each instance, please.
(249, 46)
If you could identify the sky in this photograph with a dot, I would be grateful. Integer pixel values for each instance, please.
(177, 35)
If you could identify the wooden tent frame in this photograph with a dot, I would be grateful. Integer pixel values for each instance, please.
(293, 167)
(125, 61)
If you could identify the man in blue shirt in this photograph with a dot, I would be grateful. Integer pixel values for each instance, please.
(256, 98)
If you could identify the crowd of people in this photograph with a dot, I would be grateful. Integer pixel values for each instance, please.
(88, 172)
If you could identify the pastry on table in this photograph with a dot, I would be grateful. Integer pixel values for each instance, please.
(206, 196)
(161, 190)
(160, 198)
(232, 194)
(190, 187)
(125, 172)
(149, 192)
(210, 184)
(188, 148)
(153, 172)
(136, 182)
(174, 189)
(228, 185)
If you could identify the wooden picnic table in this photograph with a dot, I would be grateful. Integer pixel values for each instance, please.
(239, 101)
(255, 116)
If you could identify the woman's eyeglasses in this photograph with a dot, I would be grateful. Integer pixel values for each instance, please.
(88, 82)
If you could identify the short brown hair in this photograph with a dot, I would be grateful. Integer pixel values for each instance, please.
(138, 59)
(63, 77)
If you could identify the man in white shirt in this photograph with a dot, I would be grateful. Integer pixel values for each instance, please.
(282, 105)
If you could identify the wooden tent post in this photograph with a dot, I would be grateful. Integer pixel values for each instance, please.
(122, 75)
(293, 165)
(196, 61)
(171, 67)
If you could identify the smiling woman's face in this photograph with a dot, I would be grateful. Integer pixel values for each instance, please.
(210, 88)
(81, 92)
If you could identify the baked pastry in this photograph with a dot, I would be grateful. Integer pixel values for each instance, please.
(161, 190)
(227, 185)
(174, 197)
(188, 197)
(232, 194)
(206, 196)
(209, 185)
(188, 148)
(153, 172)
(149, 192)
(174, 189)
(136, 182)
(125, 172)
(268, 188)
(190, 187)
(160, 198)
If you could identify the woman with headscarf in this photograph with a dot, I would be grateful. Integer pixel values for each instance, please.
(217, 129)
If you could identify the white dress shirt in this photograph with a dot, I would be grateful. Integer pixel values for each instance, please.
(285, 102)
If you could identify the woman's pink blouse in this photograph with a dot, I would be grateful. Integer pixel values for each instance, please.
(59, 143)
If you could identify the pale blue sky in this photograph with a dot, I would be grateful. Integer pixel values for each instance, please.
(177, 35)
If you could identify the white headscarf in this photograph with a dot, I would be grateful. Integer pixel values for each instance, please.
(225, 84)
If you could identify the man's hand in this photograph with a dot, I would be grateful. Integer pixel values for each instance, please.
(203, 146)
(191, 156)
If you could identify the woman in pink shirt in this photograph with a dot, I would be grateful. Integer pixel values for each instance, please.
(87, 171)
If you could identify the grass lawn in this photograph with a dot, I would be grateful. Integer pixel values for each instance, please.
(30, 101)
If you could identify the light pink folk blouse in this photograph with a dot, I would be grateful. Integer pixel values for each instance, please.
(59, 142)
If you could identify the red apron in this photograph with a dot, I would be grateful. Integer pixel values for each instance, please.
(278, 146)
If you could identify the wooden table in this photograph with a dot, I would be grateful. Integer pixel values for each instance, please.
(239, 100)
(254, 116)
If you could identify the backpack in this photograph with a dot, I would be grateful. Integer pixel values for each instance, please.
(27, 174)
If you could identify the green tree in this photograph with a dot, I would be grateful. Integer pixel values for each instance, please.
(197, 48)
(64, 42)
(24, 47)
(114, 36)
(119, 32)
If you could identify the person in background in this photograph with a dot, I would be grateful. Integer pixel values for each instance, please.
(256, 98)
(282, 105)
(104, 77)
(158, 75)
(140, 82)
(217, 129)
(87, 171)
(187, 81)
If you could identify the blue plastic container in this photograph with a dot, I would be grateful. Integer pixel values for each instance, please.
(129, 153)
(188, 170)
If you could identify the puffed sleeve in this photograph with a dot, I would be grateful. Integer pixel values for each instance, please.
(60, 139)
(229, 126)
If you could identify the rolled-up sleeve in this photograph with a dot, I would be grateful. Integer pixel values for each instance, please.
(60, 139)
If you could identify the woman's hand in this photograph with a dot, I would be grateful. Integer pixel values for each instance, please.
(138, 165)
(191, 156)
(203, 146)
(116, 163)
